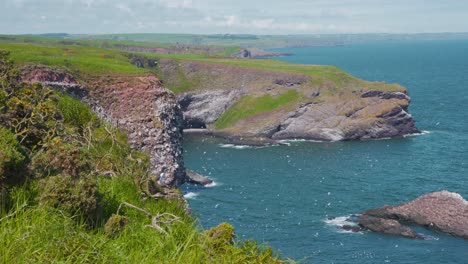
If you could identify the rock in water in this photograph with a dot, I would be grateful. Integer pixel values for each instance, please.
(441, 211)
(387, 226)
(196, 178)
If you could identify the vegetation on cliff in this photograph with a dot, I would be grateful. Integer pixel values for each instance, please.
(69, 190)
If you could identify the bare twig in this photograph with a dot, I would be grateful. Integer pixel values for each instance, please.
(156, 220)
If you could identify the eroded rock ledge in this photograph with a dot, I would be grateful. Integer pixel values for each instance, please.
(442, 211)
(139, 105)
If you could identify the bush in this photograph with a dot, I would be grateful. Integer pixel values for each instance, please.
(12, 157)
(220, 237)
(115, 225)
(58, 157)
(30, 111)
(77, 197)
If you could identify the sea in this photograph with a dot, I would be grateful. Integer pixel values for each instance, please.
(295, 197)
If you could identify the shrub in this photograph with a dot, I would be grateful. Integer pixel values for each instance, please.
(115, 225)
(58, 157)
(77, 197)
(12, 156)
(220, 237)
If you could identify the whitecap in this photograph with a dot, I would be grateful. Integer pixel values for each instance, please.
(424, 132)
(190, 195)
(235, 146)
(213, 184)
(341, 221)
(288, 141)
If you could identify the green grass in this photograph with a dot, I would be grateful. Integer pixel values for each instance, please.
(31, 233)
(58, 209)
(249, 106)
(319, 73)
(86, 60)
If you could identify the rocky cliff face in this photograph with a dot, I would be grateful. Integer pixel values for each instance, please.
(376, 117)
(139, 105)
(441, 211)
(202, 108)
(358, 110)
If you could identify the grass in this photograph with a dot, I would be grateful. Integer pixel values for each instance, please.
(83, 57)
(82, 60)
(248, 106)
(37, 234)
(57, 210)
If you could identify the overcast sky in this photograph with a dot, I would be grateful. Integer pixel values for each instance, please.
(233, 16)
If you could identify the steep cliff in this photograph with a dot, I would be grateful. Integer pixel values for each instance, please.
(139, 105)
(284, 101)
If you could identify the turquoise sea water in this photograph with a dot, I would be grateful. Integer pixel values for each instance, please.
(283, 195)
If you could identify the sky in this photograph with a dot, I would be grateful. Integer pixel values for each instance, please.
(234, 16)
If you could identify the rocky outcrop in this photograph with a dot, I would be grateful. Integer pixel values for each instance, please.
(334, 121)
(440, 211)
(322, 111)
(206, 107)
(387, 226)
(139, 105)
(196, 178)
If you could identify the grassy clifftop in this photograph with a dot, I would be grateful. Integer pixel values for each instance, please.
(71, 191)
(264, 83)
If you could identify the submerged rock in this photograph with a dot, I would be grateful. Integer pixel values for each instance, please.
(440, 211)
(387, 226)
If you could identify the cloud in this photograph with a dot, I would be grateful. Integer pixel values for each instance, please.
(124, 8)
(240, 16)
(177, 3)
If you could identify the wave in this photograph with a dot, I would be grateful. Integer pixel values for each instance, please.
(424, 132)
(190, 195)
(339, 222)
(235, 146)
(213, 184)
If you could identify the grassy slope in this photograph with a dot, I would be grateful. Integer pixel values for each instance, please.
(79, 59)
(93, 60)
(249, 106)
(85, 58)
(34, 231)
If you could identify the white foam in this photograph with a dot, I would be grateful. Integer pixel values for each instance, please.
(341, 221)
(235, 146)
(288, 141)
(190, 195)
(424, 132)
(213, 184)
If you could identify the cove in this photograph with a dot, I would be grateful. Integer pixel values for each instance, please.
(284, 195)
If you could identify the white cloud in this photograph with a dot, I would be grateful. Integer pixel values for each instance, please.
(124, 8)
(240, 16)
(177, 3)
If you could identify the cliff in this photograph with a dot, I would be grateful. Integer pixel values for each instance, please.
(139, 105)
(272, 100)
